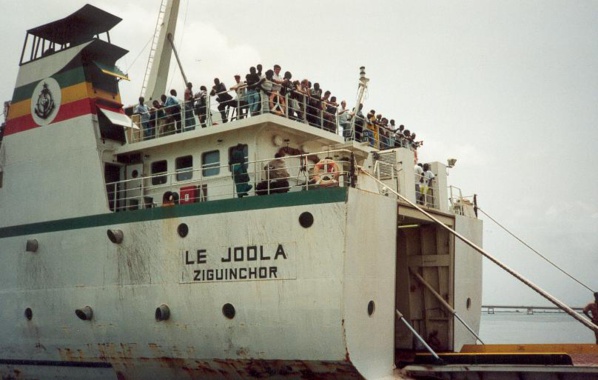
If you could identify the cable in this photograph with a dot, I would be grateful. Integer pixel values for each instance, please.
(536, 252)
(139, 55)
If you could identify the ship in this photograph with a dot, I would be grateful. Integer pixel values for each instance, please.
(174, 248)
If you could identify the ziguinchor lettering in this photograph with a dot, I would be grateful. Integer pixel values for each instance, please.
(228, 274)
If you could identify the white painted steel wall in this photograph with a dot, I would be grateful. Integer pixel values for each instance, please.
(440, 186)
(53, 172)
(293, 318)
(369, 275)
(468, 280)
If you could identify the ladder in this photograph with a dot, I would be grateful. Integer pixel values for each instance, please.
(150, 61)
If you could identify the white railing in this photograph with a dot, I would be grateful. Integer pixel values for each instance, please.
(293, 105)
(424, 191)
(459, 204)
(234, 180)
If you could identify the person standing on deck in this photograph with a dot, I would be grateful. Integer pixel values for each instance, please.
(419, 181)
(189, 100)
(591, 311)
(240, 88)
(172, 104)
(426, 188)
(201, 105)
(144, 114)
(253, 97)
(224, 99)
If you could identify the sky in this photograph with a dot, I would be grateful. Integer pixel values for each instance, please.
(508, 88)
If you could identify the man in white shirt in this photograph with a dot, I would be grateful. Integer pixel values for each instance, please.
(143, 111)
(427, 192)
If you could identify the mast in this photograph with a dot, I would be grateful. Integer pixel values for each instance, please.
(156, 74)
(363, 86)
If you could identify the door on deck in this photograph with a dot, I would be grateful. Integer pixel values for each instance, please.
(133, 186)
(425, 249)
(112, 176)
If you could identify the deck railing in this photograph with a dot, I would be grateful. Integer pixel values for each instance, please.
(189, 116)
(460, 204)
(251, 178)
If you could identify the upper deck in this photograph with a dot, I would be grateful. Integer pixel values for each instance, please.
(84, 25)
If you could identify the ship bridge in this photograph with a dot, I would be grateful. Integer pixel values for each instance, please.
(84, 25)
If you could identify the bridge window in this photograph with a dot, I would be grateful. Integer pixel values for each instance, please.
(210, 163)
(184, 168)
(159, 167)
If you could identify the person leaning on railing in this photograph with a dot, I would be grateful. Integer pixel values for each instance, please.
(286, 91)
(168, 127)
(253, 97)
(144, 114)
(189, 100)
(201, 105)
(240, 89)
(343, 115)
(223, 97)
(329, 109)
(172, 104)
(277, 104)
(314, 110)
(157, 116)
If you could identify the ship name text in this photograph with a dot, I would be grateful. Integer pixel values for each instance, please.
(239, 263)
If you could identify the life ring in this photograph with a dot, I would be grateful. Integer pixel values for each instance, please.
(326, 173)
(170, 198)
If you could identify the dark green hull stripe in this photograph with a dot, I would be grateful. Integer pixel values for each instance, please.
(312, 197)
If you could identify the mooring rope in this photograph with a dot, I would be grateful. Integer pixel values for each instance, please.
(536, 252)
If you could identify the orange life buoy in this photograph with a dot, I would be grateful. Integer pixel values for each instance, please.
(326, 173)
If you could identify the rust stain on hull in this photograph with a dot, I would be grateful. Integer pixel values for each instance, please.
(127, 365)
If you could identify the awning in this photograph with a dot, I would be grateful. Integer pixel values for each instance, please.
(118, 118)
(111, 70)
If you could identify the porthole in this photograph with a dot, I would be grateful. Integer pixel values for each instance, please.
(229, 311)
(306, 219)
(371, 308)
(84, 313)
(162, 313)
(183, 230)
(28, 313)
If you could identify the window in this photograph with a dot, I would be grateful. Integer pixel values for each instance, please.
(184, 168)
(159, 167)
(210, 163)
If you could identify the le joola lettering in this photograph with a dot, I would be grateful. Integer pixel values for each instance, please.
(238, 263)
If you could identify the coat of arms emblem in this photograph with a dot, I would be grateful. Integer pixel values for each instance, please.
(45, 103)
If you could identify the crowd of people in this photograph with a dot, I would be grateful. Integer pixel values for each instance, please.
(270, 92)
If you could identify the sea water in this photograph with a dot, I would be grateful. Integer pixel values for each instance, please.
(541, 327)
